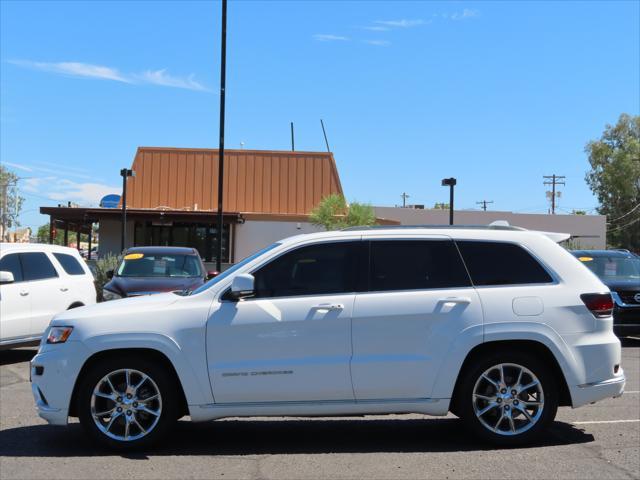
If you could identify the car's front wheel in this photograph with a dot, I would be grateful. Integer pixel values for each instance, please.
(127, 402)
(509, 398)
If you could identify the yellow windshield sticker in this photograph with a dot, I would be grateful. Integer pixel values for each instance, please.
(585, 259)
(134, 256)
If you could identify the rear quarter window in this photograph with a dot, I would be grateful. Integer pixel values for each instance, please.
(69, 263)
(496, 263)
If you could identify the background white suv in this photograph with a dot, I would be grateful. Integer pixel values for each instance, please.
(36, 282)
(498, 325)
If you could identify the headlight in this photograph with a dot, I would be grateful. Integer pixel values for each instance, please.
(109, 295)
(59, 334)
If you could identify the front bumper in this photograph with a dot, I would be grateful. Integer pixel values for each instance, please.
(54, 371)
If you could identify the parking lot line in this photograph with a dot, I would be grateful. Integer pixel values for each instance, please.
(606, 421)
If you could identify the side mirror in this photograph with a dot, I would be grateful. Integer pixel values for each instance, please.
(242, 286)
(6, 277)
(109, 273)
(212, 274)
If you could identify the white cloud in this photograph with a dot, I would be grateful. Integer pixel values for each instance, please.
(87, 70)
(18, 166)
(75, 69)
(400, 23)
(160, 77)
(378, 43)
(376, 28)
(466, 13)
(323, 37)
(86, 194)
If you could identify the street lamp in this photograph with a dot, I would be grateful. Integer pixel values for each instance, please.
(124, 173)
(451, 182)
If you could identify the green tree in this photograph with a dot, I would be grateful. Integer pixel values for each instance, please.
(441, 206)
(615, 180)
(333, 213)
(43, 235)
(9, 195)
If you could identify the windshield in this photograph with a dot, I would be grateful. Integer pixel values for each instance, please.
(233, 268)
(159, 265)
(613, 268)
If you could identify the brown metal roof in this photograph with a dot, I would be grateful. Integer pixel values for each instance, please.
(257, 181)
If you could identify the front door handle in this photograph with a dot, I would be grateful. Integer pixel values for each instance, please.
(63, 289)
(456, 300)
(329, 306)
(24, 293)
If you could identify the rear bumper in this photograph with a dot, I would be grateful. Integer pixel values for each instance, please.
(593, 392)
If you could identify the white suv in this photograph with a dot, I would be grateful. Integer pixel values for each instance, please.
(36, 282)
(498, 325)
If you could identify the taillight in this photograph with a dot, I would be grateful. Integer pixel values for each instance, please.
(600, 304)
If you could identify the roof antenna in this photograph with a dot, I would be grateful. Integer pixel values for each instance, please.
(324, 132)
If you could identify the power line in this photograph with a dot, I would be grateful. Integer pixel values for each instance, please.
(629, 212)
(622, 227)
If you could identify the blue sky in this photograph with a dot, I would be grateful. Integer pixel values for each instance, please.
(497, 94)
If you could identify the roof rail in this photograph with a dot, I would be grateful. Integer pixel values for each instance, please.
(456, 227)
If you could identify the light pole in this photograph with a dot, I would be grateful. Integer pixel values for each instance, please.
(450, 182)
(124, 173)
(223, 71)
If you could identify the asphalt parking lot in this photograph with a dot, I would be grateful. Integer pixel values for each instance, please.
(598, 441)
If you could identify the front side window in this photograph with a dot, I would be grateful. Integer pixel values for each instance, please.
(11, 263)
(69, 263)
(159, 265)
(37, 266)
(415, 264)
(312, 270)
(495, 263)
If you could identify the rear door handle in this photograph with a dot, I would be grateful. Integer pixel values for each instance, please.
(328, 306)
(456, 300)
(63, 289)
(24, 293)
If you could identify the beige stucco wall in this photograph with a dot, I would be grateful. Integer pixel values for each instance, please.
(254, 235)
(110, 233)
(580, 225)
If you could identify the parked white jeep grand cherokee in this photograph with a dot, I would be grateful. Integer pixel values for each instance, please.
(498, 325)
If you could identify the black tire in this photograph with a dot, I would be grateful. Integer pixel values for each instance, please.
(163, 380)
(464, 400)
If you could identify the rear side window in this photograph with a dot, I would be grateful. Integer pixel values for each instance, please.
(495, 263)
(313, 270)
(11, 263)
(415, 264)
(69, 263)
(37, 266)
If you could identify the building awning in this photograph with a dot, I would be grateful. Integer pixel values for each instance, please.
(83, 216)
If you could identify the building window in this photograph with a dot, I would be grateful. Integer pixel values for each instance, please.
(202, 237)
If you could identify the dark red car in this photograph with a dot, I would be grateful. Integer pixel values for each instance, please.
(148, 270)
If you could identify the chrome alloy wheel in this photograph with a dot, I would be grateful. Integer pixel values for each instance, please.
(508, 399)
(126, 405)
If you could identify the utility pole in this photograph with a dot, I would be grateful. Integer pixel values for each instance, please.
(554, 180)
(484, 204)
(223, 76)
(404, 199)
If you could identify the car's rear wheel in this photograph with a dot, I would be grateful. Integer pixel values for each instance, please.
(509, 398)
(127, 403)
